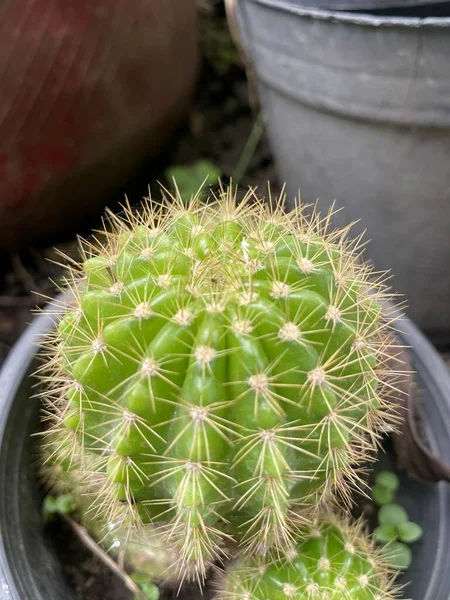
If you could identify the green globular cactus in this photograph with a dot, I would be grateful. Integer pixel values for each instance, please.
(226, 365)
(333, 561)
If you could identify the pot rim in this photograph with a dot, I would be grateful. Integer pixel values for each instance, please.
(361, 19)
(12, 373)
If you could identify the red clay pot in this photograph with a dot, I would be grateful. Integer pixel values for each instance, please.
(88, 88)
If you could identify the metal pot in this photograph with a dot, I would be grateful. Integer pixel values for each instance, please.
(358, 111)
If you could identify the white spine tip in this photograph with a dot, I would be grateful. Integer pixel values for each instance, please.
(317, 376)
(289, 590)
(359, 344)
(267, 246)
(164, 280)
(142, 311)
(192, 289)
(147, 253)
(340, 279)
(254, 265)
(312, 589)
(149, 367)
(242, 327)
(259, 383)
(280, 289)
(215, 307)
(333, 314)
(129, 417)
(324, 564)
(117, 288)
(197, 230)
(77, 386)
(194, 467)
(247, 297)
(199, 414)
(267, 435)
(305, 265)
(245, 247)
(315, 533)
(291, 554)
(205, 354)
(289, 332)
(183, 317)
(350, 548)
(111, 260)
(363, 581)
(98, 346)
(153, 232)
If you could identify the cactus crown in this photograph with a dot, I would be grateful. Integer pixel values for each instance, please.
(333, 560)
(216, 367)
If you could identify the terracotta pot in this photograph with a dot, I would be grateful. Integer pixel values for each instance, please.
(88, 89)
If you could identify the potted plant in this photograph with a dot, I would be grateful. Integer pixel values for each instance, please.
(218, 373)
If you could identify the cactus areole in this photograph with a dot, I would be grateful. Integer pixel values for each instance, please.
(220, 369)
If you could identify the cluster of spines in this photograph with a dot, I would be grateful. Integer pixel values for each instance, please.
(183, 467)
(332, 560)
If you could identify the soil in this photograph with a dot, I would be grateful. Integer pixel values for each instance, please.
(217, 130)
(90, 578)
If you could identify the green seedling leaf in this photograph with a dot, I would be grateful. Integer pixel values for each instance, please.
(397, 555)
(49, 508)
(392, 514)
(385, 533)
(149, 589)
(189, 178)
(409, 532)
(65, 504)
(382, 495)
(387, 480)
(57, 505)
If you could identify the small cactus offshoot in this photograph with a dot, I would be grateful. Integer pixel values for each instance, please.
(333, 561)
(226, 366)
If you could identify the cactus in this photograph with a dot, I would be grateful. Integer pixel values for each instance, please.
(332, 561)
(144, 549)
(226, 366)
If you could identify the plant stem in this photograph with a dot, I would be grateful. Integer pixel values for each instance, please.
(90, 543)
(249, 150)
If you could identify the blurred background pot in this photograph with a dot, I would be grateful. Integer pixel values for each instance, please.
(413, 6)
(88, 90)
(358, 110)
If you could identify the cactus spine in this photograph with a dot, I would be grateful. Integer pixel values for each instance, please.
(332, 561)
(144, 548)
(224, 366)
